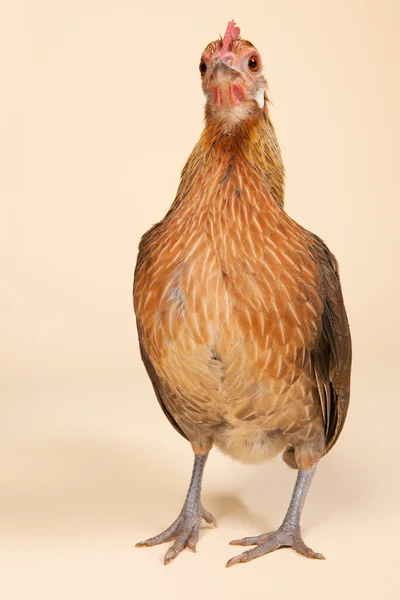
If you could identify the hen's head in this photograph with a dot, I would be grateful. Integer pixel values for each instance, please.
(232, 79)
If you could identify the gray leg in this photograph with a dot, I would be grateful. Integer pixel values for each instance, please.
(186, 527)
(288, 534)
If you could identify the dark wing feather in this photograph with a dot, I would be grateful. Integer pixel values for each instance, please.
(331, 356)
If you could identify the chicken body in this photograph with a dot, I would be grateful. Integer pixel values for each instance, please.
(228, 304)
(240, 317)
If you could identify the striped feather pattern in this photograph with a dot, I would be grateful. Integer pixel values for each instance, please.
(228, 300)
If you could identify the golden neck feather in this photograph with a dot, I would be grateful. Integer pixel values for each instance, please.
(253, 141)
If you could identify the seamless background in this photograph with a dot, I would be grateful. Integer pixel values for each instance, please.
(100, 105)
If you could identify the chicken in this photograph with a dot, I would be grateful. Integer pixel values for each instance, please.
(240, 315)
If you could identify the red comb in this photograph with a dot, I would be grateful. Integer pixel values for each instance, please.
(232, 32)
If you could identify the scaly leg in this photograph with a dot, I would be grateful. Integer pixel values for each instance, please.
(186, 527)
(288, 534)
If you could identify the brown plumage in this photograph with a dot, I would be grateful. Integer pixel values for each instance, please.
(240, 315)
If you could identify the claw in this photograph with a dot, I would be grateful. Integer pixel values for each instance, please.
(240, 558)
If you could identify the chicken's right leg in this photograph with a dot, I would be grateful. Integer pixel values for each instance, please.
(186, 527)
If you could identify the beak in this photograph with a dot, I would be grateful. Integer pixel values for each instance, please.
(222, 70)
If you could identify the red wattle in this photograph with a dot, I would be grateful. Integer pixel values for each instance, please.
(236, 93)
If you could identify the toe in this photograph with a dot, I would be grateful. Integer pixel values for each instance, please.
(170, 555)
(165, 536)
(235, 560)
(250, 541)
(301, 548)
(269, 546)
(242, 542)
(240, 558)
(208, 517)
(193, 539)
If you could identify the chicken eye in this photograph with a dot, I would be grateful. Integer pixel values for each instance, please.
(203, 67)
(254, 63)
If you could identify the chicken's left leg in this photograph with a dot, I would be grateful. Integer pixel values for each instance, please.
(288, 534)
(186, 527)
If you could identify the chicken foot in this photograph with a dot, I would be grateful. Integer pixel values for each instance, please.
(186, 527)
(288, 534)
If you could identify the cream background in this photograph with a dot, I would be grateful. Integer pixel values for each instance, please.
(100, 105)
